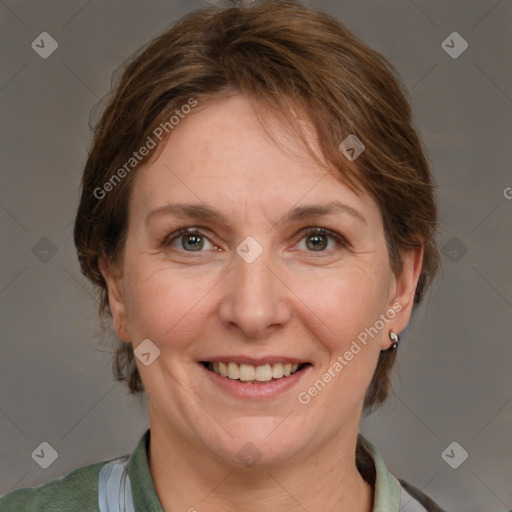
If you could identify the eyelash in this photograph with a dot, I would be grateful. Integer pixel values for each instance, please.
(339, 239)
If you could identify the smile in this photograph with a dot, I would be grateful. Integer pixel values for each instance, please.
(254, 374)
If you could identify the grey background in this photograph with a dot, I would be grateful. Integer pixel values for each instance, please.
(453, 381)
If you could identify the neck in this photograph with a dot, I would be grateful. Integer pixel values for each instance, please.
(324, 479)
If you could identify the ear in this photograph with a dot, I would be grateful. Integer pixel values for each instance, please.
(403, 291)
(116, 297)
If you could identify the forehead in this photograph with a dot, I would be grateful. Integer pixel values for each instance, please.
(220, 153)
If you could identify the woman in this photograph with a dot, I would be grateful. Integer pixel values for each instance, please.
(259, 217)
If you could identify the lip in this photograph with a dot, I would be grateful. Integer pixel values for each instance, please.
(254, 361)
(267, 390)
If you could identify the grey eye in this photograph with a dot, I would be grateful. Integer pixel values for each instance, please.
(192, 242)
(316, 242)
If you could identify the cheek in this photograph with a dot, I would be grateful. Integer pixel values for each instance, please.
(347, 310)
(162, 305)
(349, 342)
(347, 301)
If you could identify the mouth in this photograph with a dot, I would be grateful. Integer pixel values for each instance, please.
(251, 374)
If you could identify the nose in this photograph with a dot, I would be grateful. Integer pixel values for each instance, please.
(255, 300)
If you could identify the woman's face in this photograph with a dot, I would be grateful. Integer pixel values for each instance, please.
(251, 292)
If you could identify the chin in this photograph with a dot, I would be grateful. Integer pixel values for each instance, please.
(260, 442)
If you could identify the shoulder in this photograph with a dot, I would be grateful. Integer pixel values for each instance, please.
(390, 491)
(75, 492)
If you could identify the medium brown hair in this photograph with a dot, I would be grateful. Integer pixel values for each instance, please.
(291, 61)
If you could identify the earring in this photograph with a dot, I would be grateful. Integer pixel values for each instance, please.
(395, 339)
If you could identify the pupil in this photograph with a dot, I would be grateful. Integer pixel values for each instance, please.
(195, 242)
(318, 242)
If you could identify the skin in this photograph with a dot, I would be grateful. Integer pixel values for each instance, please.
(292, 301)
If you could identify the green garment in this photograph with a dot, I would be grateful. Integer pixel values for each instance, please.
(78, 491)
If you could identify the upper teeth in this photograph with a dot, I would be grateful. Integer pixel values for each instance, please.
(248, 372)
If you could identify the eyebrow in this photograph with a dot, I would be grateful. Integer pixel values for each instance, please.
(204, 212)
(318, 210)
(188, 210)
